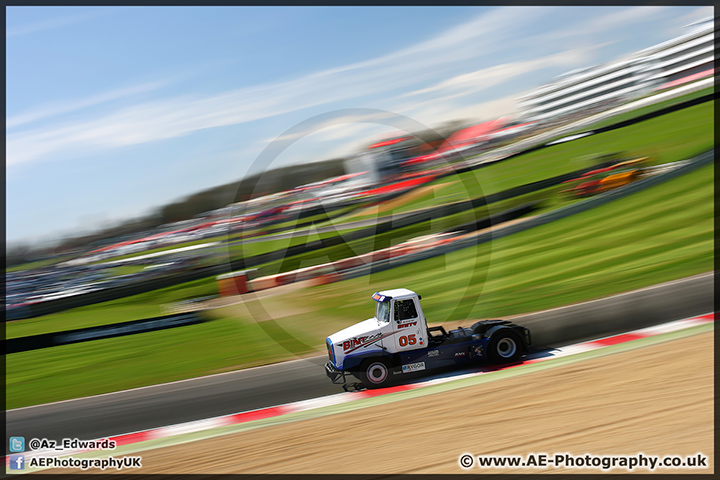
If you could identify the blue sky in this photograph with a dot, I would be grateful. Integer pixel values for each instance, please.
(112, 111)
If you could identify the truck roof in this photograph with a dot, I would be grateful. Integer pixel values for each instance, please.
(397, 292)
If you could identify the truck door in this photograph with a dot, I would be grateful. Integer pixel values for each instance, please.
(408, 327)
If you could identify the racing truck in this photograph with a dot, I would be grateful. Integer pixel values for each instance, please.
(397, 341)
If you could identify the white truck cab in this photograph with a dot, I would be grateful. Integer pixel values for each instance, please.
(399, 324)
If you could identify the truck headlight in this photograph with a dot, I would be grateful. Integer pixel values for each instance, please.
(331, 356)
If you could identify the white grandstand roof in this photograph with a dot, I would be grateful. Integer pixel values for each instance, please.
(585, 74)
(702, 28)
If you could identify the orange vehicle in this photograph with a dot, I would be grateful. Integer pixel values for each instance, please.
(608, 178)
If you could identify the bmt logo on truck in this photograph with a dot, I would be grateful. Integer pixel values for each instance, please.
(355, 342)
(406, 325)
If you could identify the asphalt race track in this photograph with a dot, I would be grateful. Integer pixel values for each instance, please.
(200, 398)
(171, 403)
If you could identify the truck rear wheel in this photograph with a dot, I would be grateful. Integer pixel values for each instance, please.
(375, 373)
(505, 346)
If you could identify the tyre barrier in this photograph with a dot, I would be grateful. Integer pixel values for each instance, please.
(402, 250)
(326, 279)
(305, 273)
(379, 255)
(430, 245)
(277, 280)
(364, 259)
(321, 269)
(332, 272)
(302, 273)
(413, 249)
(263, 283)
(347, 263)
(447, 240)
(285, 278)
(234, 283)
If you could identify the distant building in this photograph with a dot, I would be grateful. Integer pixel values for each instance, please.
(687, 55)
(601, 87)
(590, 89)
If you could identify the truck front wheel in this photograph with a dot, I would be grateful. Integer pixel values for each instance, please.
(505, 346)
(375, 373)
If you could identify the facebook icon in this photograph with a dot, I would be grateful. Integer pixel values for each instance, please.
(17, 462)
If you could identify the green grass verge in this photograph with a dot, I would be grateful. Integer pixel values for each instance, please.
(124, 270)
(135, 307)
(655, 235)
(70, 371)
(649, 108)
(36, 264)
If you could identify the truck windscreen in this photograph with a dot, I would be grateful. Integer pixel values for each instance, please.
(383, 311)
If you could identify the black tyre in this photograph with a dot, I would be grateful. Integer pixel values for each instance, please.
(505, 346)
(375, 373)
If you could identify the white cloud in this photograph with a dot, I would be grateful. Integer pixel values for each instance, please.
(436, 113)
(330, 128)
(333, 142)
(621, 18)
(441, 98)
(604, 22)
(681, 22)
(175, 117)
(488, 77)
(342, 132)
(51, 23)
(58, 108)
(339, 136)
(440, 56)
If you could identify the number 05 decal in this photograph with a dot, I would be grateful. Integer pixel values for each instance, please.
(407, 340)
